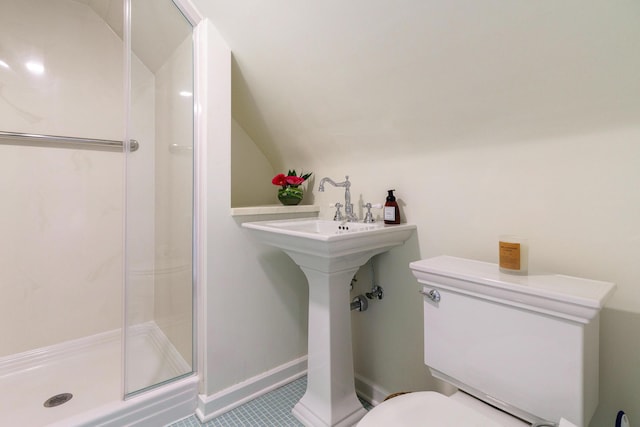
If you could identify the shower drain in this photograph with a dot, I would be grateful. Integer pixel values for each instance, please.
(57, 400)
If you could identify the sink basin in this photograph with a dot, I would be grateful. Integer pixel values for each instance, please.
(329, 253)
(316, 228)
(330, 239)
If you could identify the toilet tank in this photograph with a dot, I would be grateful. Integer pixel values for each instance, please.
(525, 344)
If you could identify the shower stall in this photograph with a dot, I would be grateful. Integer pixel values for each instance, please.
(96, 224)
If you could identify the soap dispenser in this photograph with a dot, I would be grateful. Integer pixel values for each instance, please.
(391, 209)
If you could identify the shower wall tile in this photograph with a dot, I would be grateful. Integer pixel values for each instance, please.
(61, 246)
(173, 302)
(61, 222)
(55, 81)
(140, 187)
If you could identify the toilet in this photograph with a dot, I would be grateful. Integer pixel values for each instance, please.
(521, 350)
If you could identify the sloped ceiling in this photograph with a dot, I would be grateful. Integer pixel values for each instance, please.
(158, 27)
(317, 78)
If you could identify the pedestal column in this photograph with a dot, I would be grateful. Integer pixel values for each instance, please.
(330, 399)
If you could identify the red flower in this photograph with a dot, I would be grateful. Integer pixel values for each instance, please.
(294, 180)
(291, 179)
(279, 179)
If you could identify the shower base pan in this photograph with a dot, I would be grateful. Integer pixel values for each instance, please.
(90, 369)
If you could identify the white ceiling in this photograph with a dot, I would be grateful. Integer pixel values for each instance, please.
(157, 29)
(378, 76)
(359, 77)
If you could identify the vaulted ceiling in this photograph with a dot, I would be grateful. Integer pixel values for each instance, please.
(312, 77)
(158, 27)
(378, 77)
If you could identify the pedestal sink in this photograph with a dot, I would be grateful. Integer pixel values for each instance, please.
(329, 253)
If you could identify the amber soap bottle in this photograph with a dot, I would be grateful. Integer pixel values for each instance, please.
(391, 209)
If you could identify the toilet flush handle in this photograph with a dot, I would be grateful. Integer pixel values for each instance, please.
(433, 295)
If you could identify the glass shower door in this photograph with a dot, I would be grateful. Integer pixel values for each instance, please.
(159, 196)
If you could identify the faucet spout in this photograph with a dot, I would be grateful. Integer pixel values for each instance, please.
(348, 206)
(345, 184)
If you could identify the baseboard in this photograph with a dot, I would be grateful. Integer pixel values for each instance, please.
(370, 391)
(216, 404)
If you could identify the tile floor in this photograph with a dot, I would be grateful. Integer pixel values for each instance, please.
(271, 409)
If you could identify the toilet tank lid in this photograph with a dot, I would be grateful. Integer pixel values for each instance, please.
(564, 296)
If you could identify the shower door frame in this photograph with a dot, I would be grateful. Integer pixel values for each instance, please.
(198, 36)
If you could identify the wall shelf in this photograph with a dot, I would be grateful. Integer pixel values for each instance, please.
(274, 210)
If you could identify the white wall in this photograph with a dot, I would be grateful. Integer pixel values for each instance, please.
(251, 172)
(255, 298)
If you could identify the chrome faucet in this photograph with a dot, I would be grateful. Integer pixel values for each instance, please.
(348, 206)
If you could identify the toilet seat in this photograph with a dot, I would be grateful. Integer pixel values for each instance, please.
(429, 408)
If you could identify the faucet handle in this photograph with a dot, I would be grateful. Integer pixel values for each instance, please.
(368, 218)
(369, 205)
(338, 215)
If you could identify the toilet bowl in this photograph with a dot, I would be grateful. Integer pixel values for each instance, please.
(429, 408)
(491, 335)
